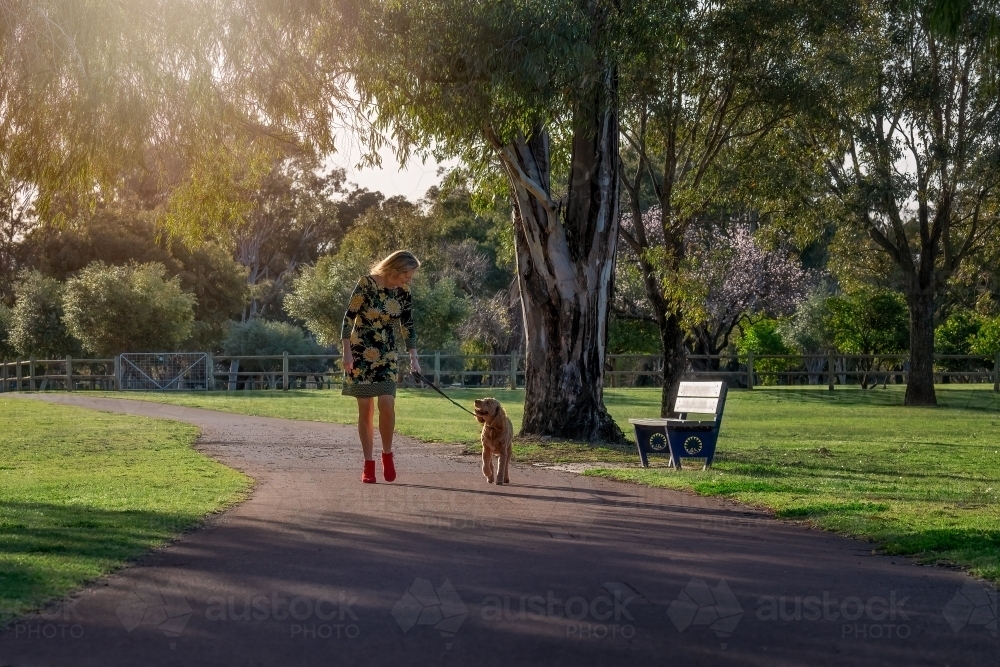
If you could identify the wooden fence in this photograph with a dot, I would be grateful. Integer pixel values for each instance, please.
(287, 371)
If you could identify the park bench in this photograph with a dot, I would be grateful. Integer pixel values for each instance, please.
(682, 437)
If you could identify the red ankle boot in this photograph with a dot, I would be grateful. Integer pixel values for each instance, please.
(368, 476)
(388, 467)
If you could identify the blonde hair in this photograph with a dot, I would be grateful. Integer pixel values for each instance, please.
(401, 261)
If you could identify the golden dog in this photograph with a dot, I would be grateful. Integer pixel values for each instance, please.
(498, 433)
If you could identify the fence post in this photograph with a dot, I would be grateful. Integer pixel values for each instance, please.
(69, 373)
(513, 369)
(996, 372)
(20, 375)
(284, 370)
(234, 368)
(210, 368)
(749, 370)
(3, 376)
(437, 368)
(829, 367)
(118, 372)
(31, 374)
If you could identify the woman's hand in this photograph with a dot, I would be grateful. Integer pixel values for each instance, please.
(348, 360)
(414, 362)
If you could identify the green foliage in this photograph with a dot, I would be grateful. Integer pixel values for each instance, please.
(114, 309)
(870, 322)
(395, 224)
(319, 298)
(81, 83)
(38, 330)
(987, 340)
(261, 337)
(215, 200)
(218, 283)
(633, 337)
(441, 70)
(6, 324)
(762, 337)
(808, 330)
(115, 236)
(438, 309)
(458, 248)
(955, 334)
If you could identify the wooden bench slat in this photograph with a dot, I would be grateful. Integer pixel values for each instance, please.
(700, 390)
(651, 421)
(693, 404)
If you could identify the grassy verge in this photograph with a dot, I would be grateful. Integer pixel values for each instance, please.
(916, 481)
(81, 492)
(923, 482)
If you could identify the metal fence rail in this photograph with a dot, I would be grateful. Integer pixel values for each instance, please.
(324, 371)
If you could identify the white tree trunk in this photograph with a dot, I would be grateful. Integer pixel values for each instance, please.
(565, 263)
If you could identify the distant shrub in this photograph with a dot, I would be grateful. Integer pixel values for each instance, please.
(870, 322)
(987, 340)
(261, 337)
(762, 337)
(114, 309)
(6, 323)
(955, 336)
(319, 298)
(37, 328)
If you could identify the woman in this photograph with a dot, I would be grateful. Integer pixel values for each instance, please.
(369, 342)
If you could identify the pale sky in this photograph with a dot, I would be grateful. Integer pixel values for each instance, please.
(411, 181)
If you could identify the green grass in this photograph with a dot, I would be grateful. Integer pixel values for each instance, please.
(81, 492)
(923, 482)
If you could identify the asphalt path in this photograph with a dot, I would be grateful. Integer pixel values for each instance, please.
(316, 568)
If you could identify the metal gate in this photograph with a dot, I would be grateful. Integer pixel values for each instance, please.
(163, 371)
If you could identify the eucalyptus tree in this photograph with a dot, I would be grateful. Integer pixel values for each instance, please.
(86, 85)
(909, 132)
(709, 82)
(93, 92)
(524, 92)
(17, 218)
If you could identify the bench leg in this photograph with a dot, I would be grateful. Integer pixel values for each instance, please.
(642, 456)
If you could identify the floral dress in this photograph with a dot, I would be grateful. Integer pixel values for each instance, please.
(369, 324)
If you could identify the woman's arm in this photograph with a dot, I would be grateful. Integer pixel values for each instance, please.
(409, 332)
(354, 307)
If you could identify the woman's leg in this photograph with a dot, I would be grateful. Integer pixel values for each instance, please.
(366, 428)
(386, 420)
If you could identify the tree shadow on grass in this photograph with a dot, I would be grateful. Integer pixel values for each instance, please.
(976, 550)
(48, 549)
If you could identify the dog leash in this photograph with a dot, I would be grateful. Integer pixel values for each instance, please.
(434, 387)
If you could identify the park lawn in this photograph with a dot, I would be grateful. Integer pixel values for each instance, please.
(81, 492)
(923, 482)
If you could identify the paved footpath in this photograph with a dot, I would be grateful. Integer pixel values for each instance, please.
(440, 568)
